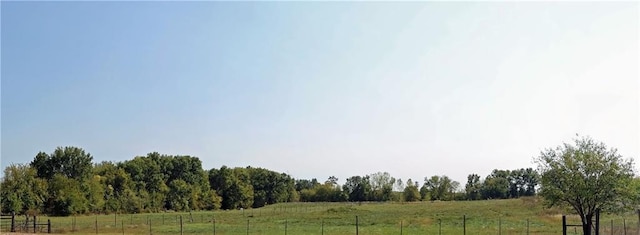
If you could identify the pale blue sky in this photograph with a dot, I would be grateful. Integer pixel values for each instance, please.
(323, 88)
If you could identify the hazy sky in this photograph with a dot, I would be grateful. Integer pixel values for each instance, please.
(323, 88)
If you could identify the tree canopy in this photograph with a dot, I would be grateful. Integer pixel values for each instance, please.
(66, 182)
(586, 176)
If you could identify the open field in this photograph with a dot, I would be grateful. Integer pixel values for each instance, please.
(482, 217)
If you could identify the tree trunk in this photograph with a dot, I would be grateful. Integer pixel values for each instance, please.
(586, 225)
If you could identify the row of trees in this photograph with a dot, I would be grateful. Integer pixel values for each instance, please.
(585, 176)
(66, 182)
(382, 186)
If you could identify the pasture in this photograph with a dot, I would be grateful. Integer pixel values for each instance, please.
(512, 216)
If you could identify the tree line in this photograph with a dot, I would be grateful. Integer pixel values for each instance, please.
(67, 182)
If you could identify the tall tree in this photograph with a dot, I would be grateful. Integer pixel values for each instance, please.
(21, 190)
(357, 188)
(411, 192)
(473, 186)
(441, 187)
(496, 185)
(587, 176)
(71, 162)
(233, 185)
(381, 186)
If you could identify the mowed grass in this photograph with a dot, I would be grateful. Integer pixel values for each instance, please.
(482, 217)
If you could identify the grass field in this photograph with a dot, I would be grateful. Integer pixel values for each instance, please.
(482, 217)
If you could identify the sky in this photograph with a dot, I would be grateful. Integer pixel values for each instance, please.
(319, 89)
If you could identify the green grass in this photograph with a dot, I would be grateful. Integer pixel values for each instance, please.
(482, 217)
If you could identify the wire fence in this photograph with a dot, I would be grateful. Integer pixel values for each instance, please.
(320, 220)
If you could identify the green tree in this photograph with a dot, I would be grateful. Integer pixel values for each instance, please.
(71, 162)
(21, 190)
(381, 186)
(441, 187)
(411, 193)
(66, 196)
(496, 185)
(115, 181)
(179, 195)
(357, 188)
(233, 185)
(473, 186)
(587, 176)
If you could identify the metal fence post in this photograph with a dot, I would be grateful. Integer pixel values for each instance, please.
(13, 221)
(598, 222)
(564, 225)
(356, 225)
(464, 224)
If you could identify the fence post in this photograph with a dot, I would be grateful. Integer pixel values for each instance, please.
(400, 227)
(638, 221)
(500, 226)
(34, 224)
(122, 223)
(48, 226)
(527, 226)
(564, 225)
(611, 227)
(356, 225)
(322, 227)
(181, 225)
(214, 226)
(624, 226)
(285, 227)
(439, 226)
(247, 227)
(96, 224)
(598, 222)
(150, 226)
(464, 224)
(13, 221)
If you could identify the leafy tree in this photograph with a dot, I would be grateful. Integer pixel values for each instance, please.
(381, 186)
(399, 185)
(411, 193)
(233, 185)
(71, 162)
(301, 184)
(179, 192)
(21, 190)
(473, 186)
(587, 176)
(94, 190)
(332, 180)
(441, 187)
(424, 192)
(115, 182)
(357, 188)
(66, 196)
(269, 187)
(496, 185)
